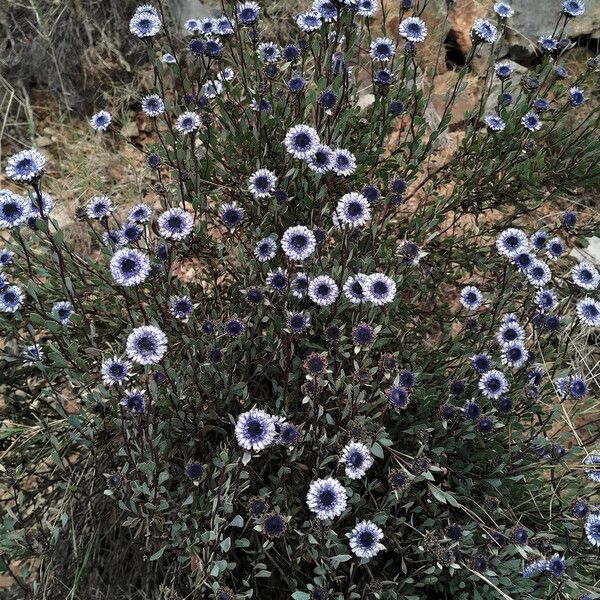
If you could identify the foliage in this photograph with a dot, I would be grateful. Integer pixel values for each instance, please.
(151, 488)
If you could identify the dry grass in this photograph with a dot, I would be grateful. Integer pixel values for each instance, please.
(67, 47)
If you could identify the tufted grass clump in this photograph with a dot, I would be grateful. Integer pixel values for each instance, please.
(319, 358)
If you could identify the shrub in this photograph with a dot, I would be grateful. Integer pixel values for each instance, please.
(328, 362)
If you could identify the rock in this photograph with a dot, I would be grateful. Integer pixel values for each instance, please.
(534, 18)
(448, 22)
(466, 101)
(43, 141)
(461, 16)
(194, 9)
(130, 130)
(591, 253)
(492, 101)
(365, 100)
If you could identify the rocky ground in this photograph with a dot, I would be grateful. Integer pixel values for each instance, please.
(79, 168)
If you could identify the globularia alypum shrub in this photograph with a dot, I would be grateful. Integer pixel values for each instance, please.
(323, 365)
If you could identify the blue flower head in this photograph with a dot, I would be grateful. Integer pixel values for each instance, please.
(413, 29)
(366, 8)
(301, 141)
(382, 49)
(99, 207)
(181, 307)
(247, 12)
(265, 249)
(115, 371)
(153, 105)
(323, 290)
(14, 210)
(380, 289)
(146, 345)
(145, 24)
(291, 53)
(592, 529)
(326, 9)
(231, 215)
(175, 224)
(588, 311)
(531, 121)
(25, 165)
(133, 401)
(547, 43)
(472, 410)
(297, 322)
(357, 459)
(255, 430)
(296, 84)
(396, 108)
(495, 123)
(11, 299)
(234, 328)
(322, 160)
(354, 288)
(365, 540)
(471, 298)
(503, 10)
(277, 280)
(555, 248)
(195, 471)
(269, 52)
(63, 311)
(309, 21)
(573, 8)
(221, 26)
(6, 257)
(384, 77)
(576, 97)
(298, 242)
(131, 232)
(101, 121)
(556, 566)
(140, 213)
(406, 378)
(481, 363)
(483, 31)
(397, 397)
(326, 498)
(493, 384)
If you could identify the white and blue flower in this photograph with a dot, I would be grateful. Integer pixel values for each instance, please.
(146, 345)
(327, 498)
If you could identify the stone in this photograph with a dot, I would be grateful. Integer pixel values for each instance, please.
(130, 130)
(194, 9)
(534, 18)
(591, 253)
(43, 141)
(518, 72)
(466, 101)
(450, 22)
(461, 16)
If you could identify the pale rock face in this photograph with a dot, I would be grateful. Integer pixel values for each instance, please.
(591, 253)
(534, 18)
(451, 22)
(196, 9)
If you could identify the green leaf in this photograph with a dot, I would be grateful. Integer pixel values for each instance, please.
(158, 553)
(377, 450)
